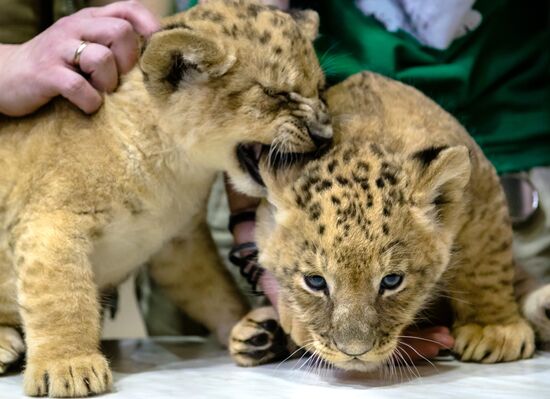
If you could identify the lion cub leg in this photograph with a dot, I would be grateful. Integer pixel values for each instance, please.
(59, 307)
(488, 326)
(190, 272)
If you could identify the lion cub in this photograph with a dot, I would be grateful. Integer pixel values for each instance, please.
(86, 200)
(403, 207)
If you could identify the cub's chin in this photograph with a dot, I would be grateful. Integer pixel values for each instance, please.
(358, 365)
(368, 362)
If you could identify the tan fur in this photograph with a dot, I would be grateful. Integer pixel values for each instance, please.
(86, 200)
(404, 191)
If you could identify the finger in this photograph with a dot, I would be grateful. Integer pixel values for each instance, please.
(426, 343)
(76, 89)
(142, 20)
(98, 62)
(270, 287)
(116, 34)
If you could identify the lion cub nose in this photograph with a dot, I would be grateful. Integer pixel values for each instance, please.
(354, 348)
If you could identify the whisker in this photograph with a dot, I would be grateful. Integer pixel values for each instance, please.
(419, 354)
(422, 339)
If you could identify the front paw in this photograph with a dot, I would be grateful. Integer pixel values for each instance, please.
(258, 338)
(536, 309)
(494, 342)
(72, 377)
(11, 347)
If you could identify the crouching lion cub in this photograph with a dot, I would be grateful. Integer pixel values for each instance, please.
(85, 200)
(404, 207)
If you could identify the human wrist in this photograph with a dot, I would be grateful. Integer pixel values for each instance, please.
(6, 76)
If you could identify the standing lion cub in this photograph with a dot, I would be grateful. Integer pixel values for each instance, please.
(86, 200)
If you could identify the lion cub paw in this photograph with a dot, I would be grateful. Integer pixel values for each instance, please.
(536, 309)
(11, 347)
(75, 377)
(494, 343)
(258, 338)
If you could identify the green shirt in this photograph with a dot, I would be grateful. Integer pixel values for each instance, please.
(495, 80)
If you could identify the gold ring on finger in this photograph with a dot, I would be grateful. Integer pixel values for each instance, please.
(78, 52)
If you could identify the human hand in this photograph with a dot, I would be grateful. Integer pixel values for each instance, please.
(33, 73)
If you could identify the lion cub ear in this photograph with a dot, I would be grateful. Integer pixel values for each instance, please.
(308, 22)
(441, 175)
(179, 56)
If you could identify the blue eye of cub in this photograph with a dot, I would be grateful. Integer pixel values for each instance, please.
(316, 282)
(391, 281)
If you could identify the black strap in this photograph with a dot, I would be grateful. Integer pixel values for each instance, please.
(247, 263)
(236, 218)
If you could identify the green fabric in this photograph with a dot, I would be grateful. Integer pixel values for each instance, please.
(495, 80)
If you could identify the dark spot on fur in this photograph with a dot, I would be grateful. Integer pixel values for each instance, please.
(321, 229)
(324, 185)
(213, 16)
(385, 229)
(253, 10)
(427, 155)
(287, 34)
(265, 37)
(299, 202)
(278, 50)
(390, 178)
(342, 180)
(370, 200)
(234, 31)
(347, 155)
(335, 200)
(176, 25)
(332, 165)
(307, 197)
(315, 211)
(380, 182)
(376, 150)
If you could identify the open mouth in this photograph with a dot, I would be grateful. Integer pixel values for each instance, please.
(250, 155)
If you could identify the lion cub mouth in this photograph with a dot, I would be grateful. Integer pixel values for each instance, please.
(251, 154)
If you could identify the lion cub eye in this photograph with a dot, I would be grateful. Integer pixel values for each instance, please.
(391, 282)
(316, 282)
(280, 95)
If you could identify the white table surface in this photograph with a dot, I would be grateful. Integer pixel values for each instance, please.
(194, 368)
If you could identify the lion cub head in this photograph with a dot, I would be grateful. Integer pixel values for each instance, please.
(359, 240)
(239, 81)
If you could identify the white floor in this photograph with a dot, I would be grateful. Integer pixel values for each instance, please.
(192, 368)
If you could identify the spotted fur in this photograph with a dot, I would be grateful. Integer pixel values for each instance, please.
(405, 191)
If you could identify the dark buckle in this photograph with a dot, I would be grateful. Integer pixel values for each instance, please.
(245, 257)
(522, 198)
